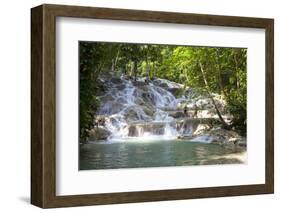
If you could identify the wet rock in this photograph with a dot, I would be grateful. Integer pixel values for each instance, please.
(111, 107)
(148, 98)
(177, 114)
(222, 136)
(135, 113)
(131, 115)
(121, 86)
(139, 83)
(175, 91)
(116, 80)
(148, 110)
(164, 85)
(241, 142)
(103, 86)
(222, 160)
(140, 101)
(201, 129)
(98, 133)
(184, 137)
(105, 98)
(139, 129)
(218, 136)
(100, 120)
(187, 126)
(205, 138)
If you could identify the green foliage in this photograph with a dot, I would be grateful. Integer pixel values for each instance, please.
(225, 73)
(225, 70)
(90, 64)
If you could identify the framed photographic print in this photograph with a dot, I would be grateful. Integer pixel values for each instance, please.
(136, 106)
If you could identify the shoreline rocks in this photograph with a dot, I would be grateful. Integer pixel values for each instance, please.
(217, 136)
(98, 133)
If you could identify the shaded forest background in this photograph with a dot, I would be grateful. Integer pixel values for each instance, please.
(206, 69)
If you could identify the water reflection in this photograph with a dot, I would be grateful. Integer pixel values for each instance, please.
(156, 154)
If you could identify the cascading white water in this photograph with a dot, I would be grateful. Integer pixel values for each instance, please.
(127, 105)
(161, 97)
(140, 110)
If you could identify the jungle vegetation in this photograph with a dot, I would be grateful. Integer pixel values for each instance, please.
(208, 69)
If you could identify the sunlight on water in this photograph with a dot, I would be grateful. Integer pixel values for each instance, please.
(146, 138)
(135, 153)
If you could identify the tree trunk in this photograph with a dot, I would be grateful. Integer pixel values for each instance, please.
(114, 61)
(116, 58)
(135, 69)
(218, 69)
(211, 97)
(112, 66)
(152, 71)
(147, 68)
(131, 70)
(236, 72)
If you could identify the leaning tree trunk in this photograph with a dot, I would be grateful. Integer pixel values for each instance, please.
(211, 97)
(112, 66)
(218, 69)
(236, 71)
(114, 62)
(132, 70)
(116, 58)
(135, 69)
(147, 68)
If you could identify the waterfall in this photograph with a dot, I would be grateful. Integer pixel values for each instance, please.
(161, 97)
(143, 110)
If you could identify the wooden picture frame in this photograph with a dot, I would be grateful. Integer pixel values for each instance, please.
(43, 105)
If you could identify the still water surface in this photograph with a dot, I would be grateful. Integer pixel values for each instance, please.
(135, 154)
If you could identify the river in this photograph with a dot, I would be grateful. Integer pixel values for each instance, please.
(156, 153)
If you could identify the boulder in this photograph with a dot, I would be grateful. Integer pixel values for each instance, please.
(121, 86)
(116, 80)
(98, 133)
(139, 83)
(148, 110)
(201, 129)
(177, 114)
(175, 91)
(100, 120)
(216, 136)
(187, 126)
(135, 113)
(139, 101)
(147, 97)
(107, 97)
(111, 107)
(222, 136)
(131, 115)
(164, 85)
(139, 129)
